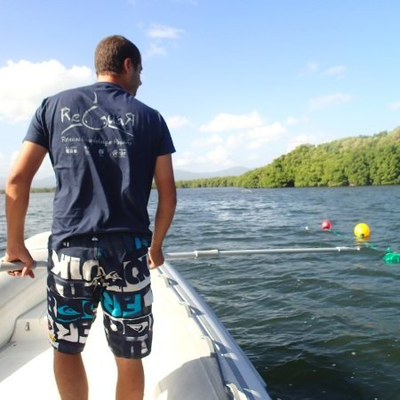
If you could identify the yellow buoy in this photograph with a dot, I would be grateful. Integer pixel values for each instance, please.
(362, 231)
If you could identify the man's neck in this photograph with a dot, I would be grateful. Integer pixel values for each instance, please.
(110, 79)
(115, 79)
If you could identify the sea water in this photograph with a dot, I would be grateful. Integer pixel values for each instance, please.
(316, 326)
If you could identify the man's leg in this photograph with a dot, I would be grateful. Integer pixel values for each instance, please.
(130, 383)
(70, 375)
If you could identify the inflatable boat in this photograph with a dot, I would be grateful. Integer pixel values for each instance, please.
(193, 355)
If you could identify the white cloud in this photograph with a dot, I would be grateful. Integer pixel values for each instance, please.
(159, 35)
(299, 140)
(13, 158)
(249, 144)
(6, 162)
(234, 142)
(24, 84)
(158, 31)
(238, 146)
(4, 165)
(264, 134)
(337, 71)
(231, 143)
(155, 49)
(311, 69)
(291, 121)
(252, 135)
(45, 170)
(209, 141)
(395, 106)
(329, 100)
(226, 122)
(218, 157)
(177, 122)
(183, 159)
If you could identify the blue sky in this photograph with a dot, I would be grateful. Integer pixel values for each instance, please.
(240, 82)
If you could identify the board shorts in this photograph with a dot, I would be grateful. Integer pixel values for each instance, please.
(109, 269)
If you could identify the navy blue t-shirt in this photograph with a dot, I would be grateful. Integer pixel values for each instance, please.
(103, 145)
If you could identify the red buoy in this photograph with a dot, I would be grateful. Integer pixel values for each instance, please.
(326, 225)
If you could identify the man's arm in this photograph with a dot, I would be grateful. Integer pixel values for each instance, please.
(17, 199)
(165, 182)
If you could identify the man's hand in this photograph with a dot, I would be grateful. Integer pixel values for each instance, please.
(165, 183)
(20, 253)
(156, 257)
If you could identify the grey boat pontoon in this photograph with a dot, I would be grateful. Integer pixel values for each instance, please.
(193, 355)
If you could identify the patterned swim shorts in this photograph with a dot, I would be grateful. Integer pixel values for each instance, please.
(109, 269)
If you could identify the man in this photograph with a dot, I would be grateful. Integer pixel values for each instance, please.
(105, 147)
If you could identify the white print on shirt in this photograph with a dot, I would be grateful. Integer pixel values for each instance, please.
(95, 121)
(105, 142)
(71, 150)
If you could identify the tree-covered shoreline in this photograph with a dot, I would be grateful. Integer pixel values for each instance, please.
(36, 190)
(353, 161)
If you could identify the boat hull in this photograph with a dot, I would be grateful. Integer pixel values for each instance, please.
(193, 356)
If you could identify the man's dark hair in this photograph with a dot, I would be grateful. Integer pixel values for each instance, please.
(112, 51)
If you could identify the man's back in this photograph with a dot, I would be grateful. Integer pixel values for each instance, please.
(103, 144)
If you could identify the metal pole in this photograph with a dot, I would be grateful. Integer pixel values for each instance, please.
(221, 253)
(8, 266)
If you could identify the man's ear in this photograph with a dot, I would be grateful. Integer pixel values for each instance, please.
(128, 64)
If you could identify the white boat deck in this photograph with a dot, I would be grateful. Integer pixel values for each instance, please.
(193, 356)
(26, 362)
